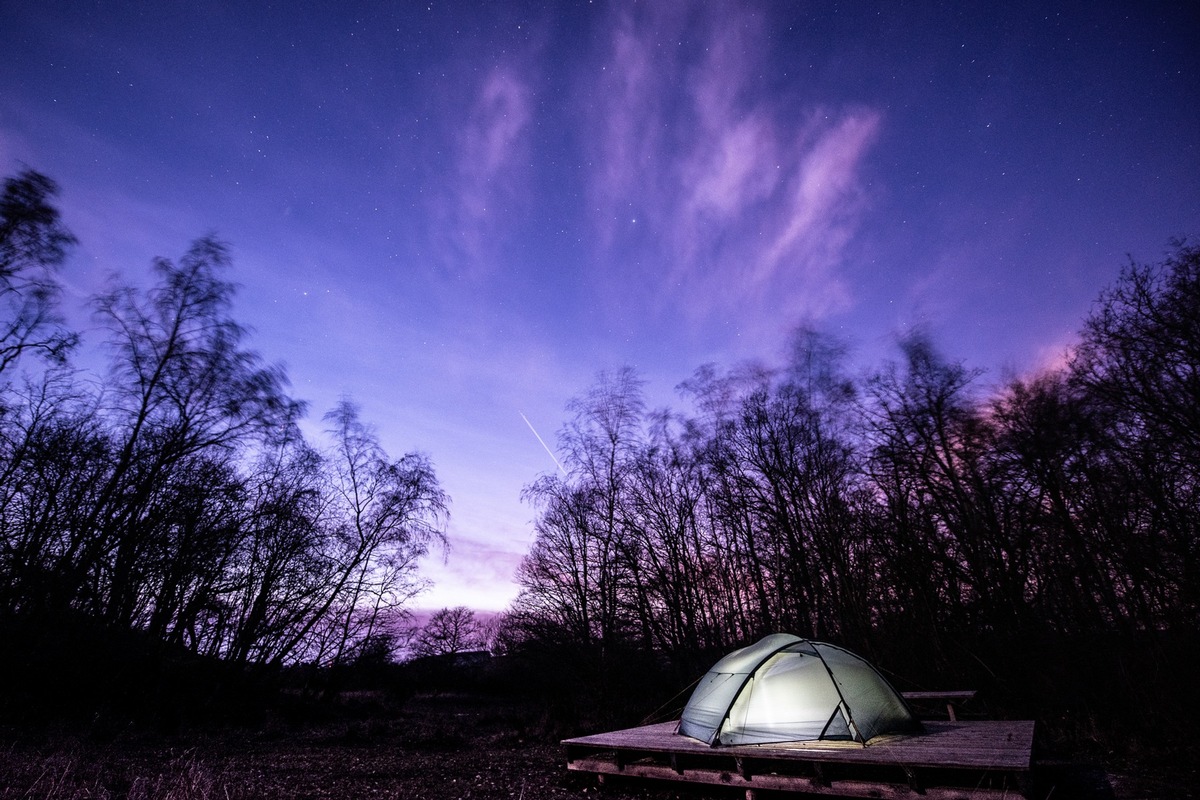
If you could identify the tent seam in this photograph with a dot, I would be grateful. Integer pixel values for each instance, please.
(750, 674)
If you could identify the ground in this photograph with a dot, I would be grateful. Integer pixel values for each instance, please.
(435, 747)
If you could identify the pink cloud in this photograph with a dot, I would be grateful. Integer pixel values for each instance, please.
(626, 117)
(716, 199)
(489, 162)
(493, 134)
(822, 196)
(1054, 356)
(737, 171)
(476, 573)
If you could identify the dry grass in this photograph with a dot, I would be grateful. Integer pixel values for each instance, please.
(431, 748)
(78, 772)
(187, 777)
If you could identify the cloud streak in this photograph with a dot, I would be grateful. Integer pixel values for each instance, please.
(488, 171)
(712, 194)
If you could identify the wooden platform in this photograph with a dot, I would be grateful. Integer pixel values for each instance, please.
(977, 759)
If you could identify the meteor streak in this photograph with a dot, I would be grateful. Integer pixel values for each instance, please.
(549, 452)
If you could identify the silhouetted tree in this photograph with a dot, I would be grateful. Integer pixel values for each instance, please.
(54, 457)
(33, 243)
(281, 575)
(1139, 363)
(182, 385)
(383, 516)
(577, 570)
(955, 562)
(1065, 494)
(448, 632)
(667, 552)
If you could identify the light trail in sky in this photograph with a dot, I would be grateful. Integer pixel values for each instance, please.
(549, 452)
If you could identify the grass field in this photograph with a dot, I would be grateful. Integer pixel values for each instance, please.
(439, 746)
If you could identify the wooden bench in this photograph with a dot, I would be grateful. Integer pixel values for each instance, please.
(949, 698)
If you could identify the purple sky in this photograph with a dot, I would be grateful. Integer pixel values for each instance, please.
(459, 213)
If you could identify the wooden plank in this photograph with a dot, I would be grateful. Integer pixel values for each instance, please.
(986, 744)
(791, 783)
(949, 761)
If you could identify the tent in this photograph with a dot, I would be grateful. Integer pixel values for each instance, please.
(788, 689)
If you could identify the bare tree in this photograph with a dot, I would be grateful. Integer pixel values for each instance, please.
(383, 516)
(282, 572)
(54, 456)
(448, 632)
(182, 385)
(33, 244)
(1139, 361)
(1067, 494)
(577, 570)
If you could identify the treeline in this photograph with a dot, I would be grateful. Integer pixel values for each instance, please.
(176, 497)
(911, 513)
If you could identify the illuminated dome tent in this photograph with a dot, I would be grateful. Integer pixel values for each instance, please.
(788, 689)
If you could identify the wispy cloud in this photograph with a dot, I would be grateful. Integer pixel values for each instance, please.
(711, 194)
(471, 574)
(488, 170)
(629, 124)
(490, 141)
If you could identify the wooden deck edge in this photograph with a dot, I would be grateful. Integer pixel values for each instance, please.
(990, 746)
(786, 783)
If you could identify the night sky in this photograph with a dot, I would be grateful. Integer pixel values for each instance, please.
(459, 213)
